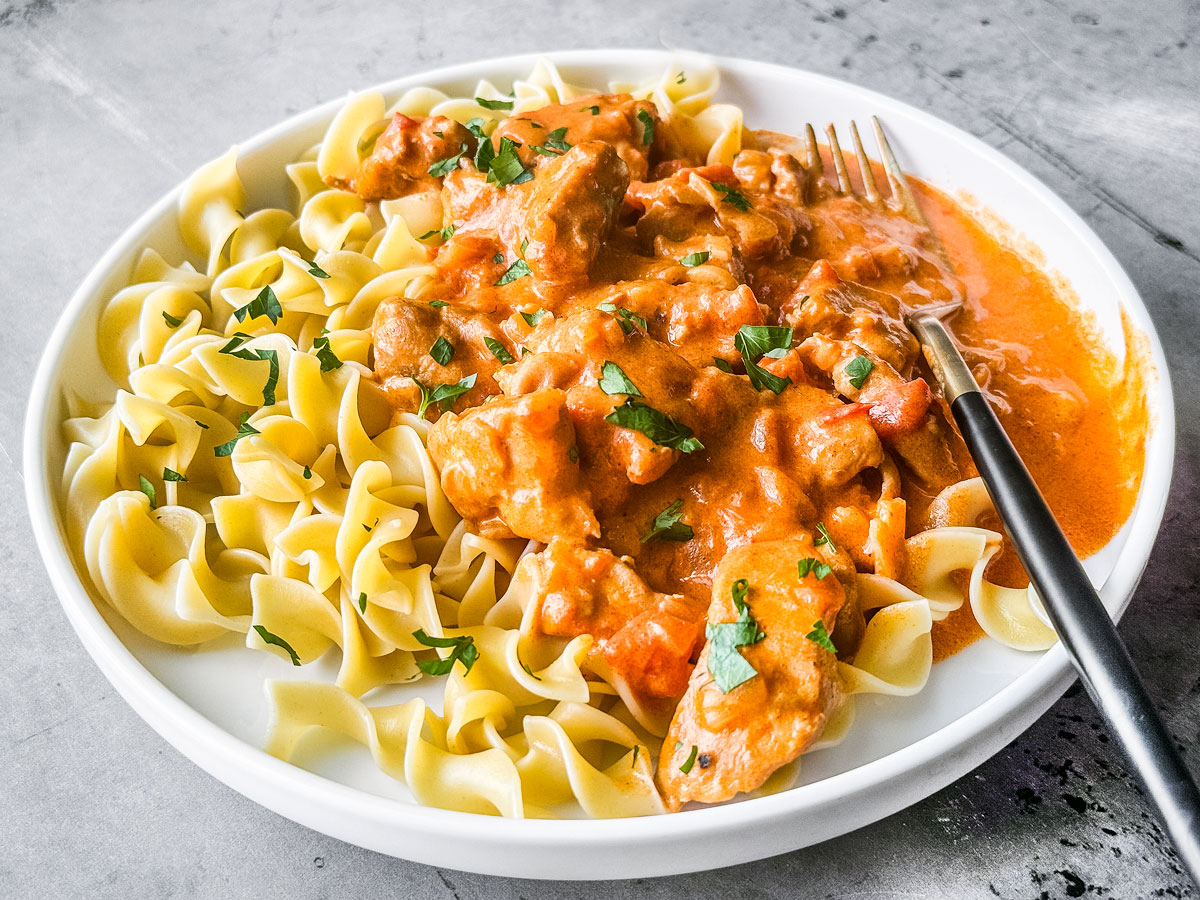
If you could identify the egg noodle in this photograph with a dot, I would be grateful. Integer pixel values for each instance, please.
(249, 476)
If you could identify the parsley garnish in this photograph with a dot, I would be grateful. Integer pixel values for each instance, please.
(573, 453)
(732, 196)
(437, 304)
(613, 380)
(442, 351)
(858, 369)
(594, 110)
(171, 320)
(498, 350)
(626, 317)
(201, 424)
(362, 602)
(753, 341)
(445, 233)
(690, 761)
(820, 636)
(505, 167)
(666, 525)
(647, 121)
(659, 427)
(722, 365)
(272, 357)
(329, 359)
(307, 473)
(369, 528)
(445, 166)
(316, 271)
(443, 393)
(275, 639)
(464, 651)
(519, 269)
(265, 304)
(231, 348)
(529, 672)
(495, 104)
(726, 665)
(681, 78)
(695, 259)
(808, 566)
(147, 488)
(823, 538)
(554, 144)
(245, 429)
(531, 319)
(172, 475)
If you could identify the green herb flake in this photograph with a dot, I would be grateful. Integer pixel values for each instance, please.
(201, 424)
(276, 640)
(613, 380)
(627, 318)
(442, 351)
(444, 167)
(680, 78)
(498, 350)
(823, 537)
(857, 371)
(443, 394)
(690, 761)
(148, 489)
(475, 126)
(437, 304)
(809, 566)
(725, 663)
(519, 269)
(531, 319)
(573, 453)
(232, 346)
(722, 365)
(695, 259)
(245, 429)
(505, 167)
(753, 341)
(495, 104)
(362, 602)
(732, 196)
(307, 473)
(820, 637)
(369, 528)
(272, 358)
(316, 271)
(171, 320)
(668, 527)
(647, 121)
(529, 672)
(329, 360)
(463, 650)
(594, 110)
(659, 427)
(172, 475)
(633, 759)
(265, 304)
(427, 235)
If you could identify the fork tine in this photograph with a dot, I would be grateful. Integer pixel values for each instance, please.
(839, 162)
(895, 174)
(864, 166)
(814, 153)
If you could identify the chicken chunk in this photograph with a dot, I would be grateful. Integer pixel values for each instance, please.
(735, 738)
(399, 163)
(510, 468)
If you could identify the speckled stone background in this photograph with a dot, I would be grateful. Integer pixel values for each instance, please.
(104, 106)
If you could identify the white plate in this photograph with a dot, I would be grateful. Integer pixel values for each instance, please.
(210, 705)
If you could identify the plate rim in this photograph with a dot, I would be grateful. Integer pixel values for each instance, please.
(950, 751)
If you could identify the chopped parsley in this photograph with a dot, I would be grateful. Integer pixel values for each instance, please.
(443, 394)
(231, 348)
(594, 110)
(690, 761)
(732, 196)
(659, 427)
(444, 167)
(531, 319)
(172, 475)
(272, 357)
(464, 651)
(820, 636)
(329, 359)
(647, 121)
(147, 488)
(495, 104)
(437, 304)
(171, 320)
(554, 145)
(498, 350)
(369, 528)
(681, 78)
(627, 317)
(809, 566)
(275, 639)
(245, 429)
(307, 473)
(753, 341)
(265, 304)
(445, 233)
(573, 453)
(823, 537)
(201, 424)
(504, 166)
(726, 664)
(316, 271)
(722, 365)
(613, 380)
(519, 269)
(857, 371)
(442, 351)
(667, 525)
(695, 259)
(362, 602)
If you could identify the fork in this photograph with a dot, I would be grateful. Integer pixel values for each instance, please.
(1084, 627)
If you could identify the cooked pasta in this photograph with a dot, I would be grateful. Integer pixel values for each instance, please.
(260, 470)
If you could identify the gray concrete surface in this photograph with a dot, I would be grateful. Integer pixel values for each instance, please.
(103, 106)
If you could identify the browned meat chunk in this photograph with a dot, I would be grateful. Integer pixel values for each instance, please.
(741, 736)
(399, 163)
(508, 468)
